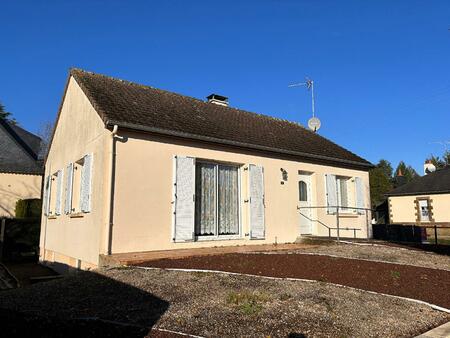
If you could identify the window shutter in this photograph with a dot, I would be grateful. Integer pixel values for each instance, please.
(86, 178)
(257, 222)
(69, 183)
(184, 199)
(331, 193)
(359, 194)
(47, 195)
(59, 182)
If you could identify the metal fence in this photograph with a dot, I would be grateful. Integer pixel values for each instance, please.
(341, 212)
(410, 233)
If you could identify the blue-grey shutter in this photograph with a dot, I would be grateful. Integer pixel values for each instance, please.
(47, 195)
(184, 199)
(59, 183)
(359, 195)
(257, 219)
(332, 201)
(69, 184)
(86, 178)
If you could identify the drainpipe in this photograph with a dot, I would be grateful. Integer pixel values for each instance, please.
(109, 217)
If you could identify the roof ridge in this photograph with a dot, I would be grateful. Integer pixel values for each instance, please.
(186, 96)
(94, 83)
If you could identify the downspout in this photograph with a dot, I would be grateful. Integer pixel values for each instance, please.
(109, 217)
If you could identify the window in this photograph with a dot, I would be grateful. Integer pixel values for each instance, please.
(55, 193)
(216, 199)
(76, 186)
(303, 191)
(343, 191)
(80, 201)
(424, 209)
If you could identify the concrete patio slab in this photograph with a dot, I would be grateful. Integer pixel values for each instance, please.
(131, 258)
(442, 331)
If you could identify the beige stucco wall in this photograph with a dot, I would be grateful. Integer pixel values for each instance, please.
(14, 187)
(143, 194)
(79, 131)
(402, 208)
(142, 214)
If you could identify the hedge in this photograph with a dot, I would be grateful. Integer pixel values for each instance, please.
(27, 208)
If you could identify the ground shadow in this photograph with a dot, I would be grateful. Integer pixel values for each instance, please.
(82, 304)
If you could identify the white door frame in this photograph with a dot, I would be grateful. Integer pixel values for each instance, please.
(305, 215)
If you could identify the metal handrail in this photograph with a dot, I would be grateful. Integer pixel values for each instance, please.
(337, 228)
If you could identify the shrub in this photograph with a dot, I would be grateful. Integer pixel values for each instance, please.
(28, 208)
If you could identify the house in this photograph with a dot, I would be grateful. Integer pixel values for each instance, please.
(20, 167)
(423, 201)
(133, 168)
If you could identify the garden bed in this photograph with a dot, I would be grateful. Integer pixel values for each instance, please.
(387, 253)
(219, 305)
(429, 285)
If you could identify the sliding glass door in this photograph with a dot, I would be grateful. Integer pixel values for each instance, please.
(216, 199)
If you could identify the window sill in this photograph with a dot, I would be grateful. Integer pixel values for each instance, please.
(348, 215)
(215, 238)
(76, 215)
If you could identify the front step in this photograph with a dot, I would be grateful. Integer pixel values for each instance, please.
(312, 239)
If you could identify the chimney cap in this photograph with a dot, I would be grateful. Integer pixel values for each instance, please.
(217, 97)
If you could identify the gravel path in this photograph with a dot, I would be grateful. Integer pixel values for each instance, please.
(380, 253)
(217, 305)
(429, 285)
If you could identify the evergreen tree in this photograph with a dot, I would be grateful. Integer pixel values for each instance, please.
(408, 172)
(4, 115)
(380, 180)
(440, 162)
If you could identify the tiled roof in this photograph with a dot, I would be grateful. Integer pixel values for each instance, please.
(433, 183)
(146, 108)
(19, 150)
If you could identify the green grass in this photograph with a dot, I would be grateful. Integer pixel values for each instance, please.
(248, 303)
(395, 274)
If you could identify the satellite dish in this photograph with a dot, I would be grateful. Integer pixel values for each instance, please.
(314, 124)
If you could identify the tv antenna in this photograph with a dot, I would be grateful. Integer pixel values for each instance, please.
(313, 123)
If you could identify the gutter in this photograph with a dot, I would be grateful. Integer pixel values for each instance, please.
(110, 198)
(418, 193)
(138, 127)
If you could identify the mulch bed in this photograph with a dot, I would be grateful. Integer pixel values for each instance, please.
(430, 285)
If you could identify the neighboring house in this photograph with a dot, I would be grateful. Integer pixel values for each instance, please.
(132, 168)
(20, 168)
(423, 201)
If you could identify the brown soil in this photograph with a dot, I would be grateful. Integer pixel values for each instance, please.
(126, 302)
(430, 285)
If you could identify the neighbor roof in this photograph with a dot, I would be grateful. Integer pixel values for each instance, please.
(437, 182)
(19, 150)
(144, 108)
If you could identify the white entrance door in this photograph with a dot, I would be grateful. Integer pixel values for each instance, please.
(304, 197)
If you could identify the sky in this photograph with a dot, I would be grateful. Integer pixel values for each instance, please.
(380, 68)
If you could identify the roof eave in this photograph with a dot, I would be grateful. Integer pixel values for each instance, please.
(418, 193)
(360, 165)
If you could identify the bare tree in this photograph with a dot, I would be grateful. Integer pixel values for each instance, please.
(45, 132)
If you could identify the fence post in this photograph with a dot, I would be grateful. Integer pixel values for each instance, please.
(435, 235)
(2, 236)
(337, 223)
